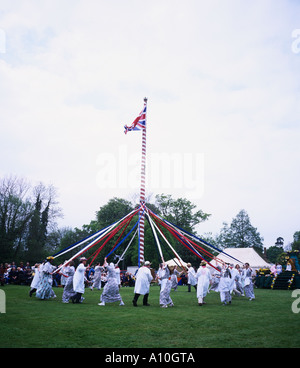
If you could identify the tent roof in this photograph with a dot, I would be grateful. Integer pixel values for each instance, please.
(243, 255)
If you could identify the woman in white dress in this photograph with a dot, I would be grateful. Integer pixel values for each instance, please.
(248, 284)
(238, 281)
(63, 278)
(203, 277)
(158, 275)
(166, 285)
(97, 277)
(216, 279)
(174, 279)
(69, 292)
(78, 281)
(192, 281)
(36, 279)
(111, 291)
(224, 285)
(44, 289)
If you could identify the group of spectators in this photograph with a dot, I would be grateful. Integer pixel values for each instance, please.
(10, 273)
(127, 279)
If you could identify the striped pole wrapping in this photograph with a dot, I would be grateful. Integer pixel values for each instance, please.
(142, 196)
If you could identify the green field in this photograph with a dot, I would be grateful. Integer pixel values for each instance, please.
(267, 322)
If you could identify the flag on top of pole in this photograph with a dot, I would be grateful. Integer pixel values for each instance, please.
(140, 122)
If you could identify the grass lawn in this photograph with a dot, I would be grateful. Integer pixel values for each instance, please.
(267, 322)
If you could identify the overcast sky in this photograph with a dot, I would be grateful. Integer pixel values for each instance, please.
(222, 81)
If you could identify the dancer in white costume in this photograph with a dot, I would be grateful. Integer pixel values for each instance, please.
(78, 281)
(159, 274)
(192, 281)
(44, 289)
(36, 279)
(166, 284)
(203, 277)
(142, 284)
(216, 279)
(224, 285)
(97, 277)
(111, 291)
(248, 284)
(238, 280)
(68, 289)
(174, 280)
(234, 278)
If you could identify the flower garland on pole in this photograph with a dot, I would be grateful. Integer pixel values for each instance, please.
(290, 282)
(273, 281)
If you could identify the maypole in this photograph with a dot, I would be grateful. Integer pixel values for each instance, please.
(140, 124)
(142, 190)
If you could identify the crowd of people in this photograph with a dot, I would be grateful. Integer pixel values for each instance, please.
(226, 279)
(10, 273)
(276, 269)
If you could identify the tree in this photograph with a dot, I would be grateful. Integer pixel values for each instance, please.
(296, 242)
(180, 212)
(240, 233)
(279, 242)
(61, 238)
(45, 210)
(111, 212)
(34, 248)
(273, 253)
(114, 210)
(15, 213)
(26, 214)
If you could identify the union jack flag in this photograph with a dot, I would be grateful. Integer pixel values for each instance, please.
(140, 122)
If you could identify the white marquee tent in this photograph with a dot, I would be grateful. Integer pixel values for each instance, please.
(175, 262)
(243, 255)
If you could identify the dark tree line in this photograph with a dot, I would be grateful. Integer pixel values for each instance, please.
(27, 214)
